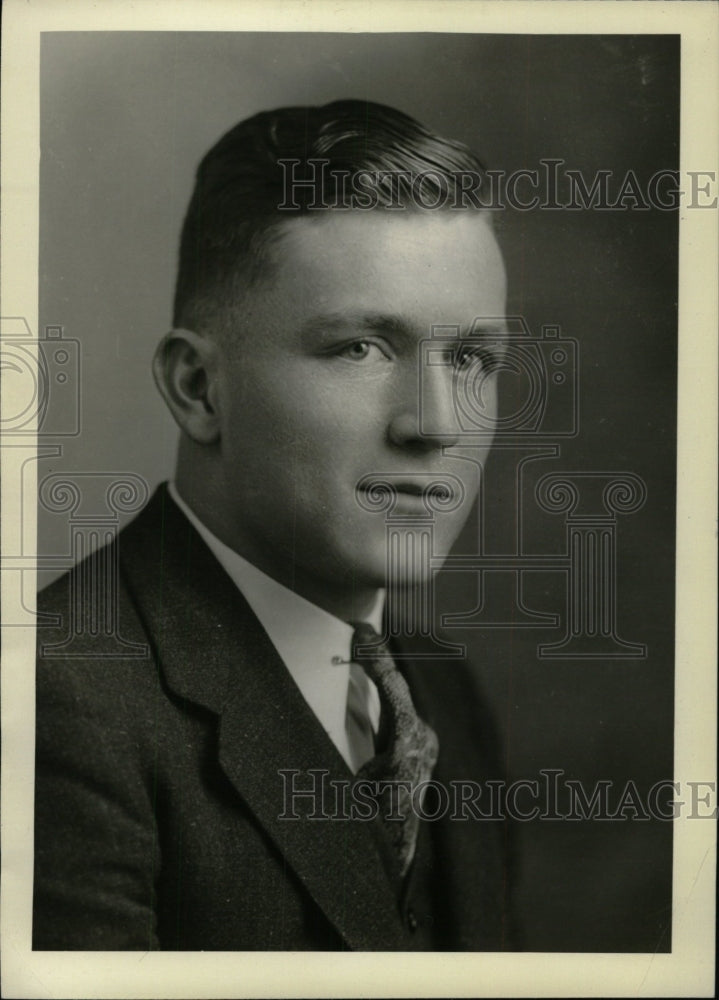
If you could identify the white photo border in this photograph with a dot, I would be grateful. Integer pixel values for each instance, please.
(689, 969)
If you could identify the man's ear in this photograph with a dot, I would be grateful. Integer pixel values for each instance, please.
(184, 367)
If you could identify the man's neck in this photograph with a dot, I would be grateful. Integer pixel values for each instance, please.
(348, 603)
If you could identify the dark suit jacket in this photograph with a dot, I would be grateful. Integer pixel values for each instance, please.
(158, 792)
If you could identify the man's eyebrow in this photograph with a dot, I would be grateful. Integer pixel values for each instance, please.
(389, 323)
(490, 328)
(379, 322)
(382, 322)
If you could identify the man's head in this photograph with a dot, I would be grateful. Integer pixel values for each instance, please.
(295, 366)
(282, 164)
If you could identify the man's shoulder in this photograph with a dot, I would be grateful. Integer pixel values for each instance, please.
(92, 641)
(152, 607)
(105, 558)
(106, 583)
(92, 646)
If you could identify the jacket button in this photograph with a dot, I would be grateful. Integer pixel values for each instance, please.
(412, 921)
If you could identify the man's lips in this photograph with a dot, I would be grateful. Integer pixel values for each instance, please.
(415, 489)
(409, 490)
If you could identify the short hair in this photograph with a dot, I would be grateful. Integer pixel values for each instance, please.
(240, 185)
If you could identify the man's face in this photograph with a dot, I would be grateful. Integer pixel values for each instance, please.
(320, 388)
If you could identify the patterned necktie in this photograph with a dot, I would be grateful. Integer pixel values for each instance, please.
(409, 752)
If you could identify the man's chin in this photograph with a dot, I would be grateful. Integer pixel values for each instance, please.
(405, 573)
(407, 564)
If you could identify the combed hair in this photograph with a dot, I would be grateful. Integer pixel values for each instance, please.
(240, 184)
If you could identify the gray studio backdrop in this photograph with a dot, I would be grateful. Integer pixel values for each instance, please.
(125, 118)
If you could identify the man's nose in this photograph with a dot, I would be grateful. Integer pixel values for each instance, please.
(426, 415)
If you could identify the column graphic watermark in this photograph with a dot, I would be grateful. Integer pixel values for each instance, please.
(42, 410)
(540, 412)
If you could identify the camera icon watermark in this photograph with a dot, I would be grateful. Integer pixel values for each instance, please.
(41, 377)
(539, 394)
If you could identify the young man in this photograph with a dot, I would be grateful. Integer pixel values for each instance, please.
(274, 775)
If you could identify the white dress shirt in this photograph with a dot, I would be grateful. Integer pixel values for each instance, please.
(314, 645)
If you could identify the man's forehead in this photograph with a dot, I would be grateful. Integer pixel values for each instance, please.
(394, 273)
(444, 248)
(402, 224)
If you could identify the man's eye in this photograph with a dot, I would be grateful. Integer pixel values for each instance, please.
(466, 357)
(360, 350)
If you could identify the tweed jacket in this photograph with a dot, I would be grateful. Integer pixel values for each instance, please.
(159, 814)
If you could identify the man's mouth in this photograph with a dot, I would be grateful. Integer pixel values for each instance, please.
(385, 492)
(413, 488)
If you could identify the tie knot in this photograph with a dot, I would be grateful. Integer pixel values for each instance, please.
(369, 651)
(364, 634)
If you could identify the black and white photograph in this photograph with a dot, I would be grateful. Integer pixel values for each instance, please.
(358, 432)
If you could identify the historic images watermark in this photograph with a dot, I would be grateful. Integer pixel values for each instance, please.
(313, 795)
(550, 186)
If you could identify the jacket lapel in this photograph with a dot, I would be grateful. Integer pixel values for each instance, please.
(213, 651)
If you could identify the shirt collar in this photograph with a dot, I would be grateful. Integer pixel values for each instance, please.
(314, 645)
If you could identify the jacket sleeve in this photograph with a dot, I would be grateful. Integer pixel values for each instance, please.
(97, 857)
